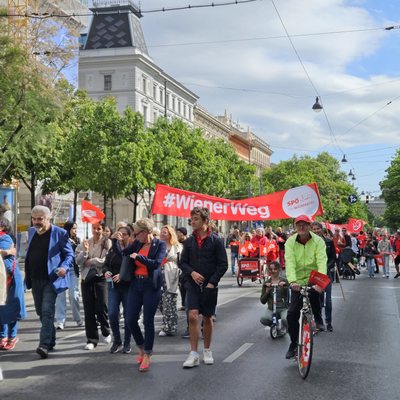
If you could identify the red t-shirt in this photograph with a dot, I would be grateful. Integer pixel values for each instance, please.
(141, 269)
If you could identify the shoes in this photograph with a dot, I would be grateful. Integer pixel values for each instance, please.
(182, 308)
(185, 335)
(42, 351)
(3, 342)
(89, 346)
(387, 276)
(115, 348)
(383, 276)
(60, 326)
(139, 360)
(79, 323)
(127, 349)
(145, 364)
(207, 357)
(396, 276)
(329, 327)
(320, 327)
(192, 360)
(292, 351)
(214, 318)
(107, 339)
(11, 343)
(162, 334)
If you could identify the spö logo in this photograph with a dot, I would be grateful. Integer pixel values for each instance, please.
(300, 200)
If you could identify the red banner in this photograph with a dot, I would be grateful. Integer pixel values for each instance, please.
(353, 225)
(91, 213)
(301, 200)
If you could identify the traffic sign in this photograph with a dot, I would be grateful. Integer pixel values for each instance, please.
(352, 199)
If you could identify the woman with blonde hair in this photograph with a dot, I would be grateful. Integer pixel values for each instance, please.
(147, 253)
(170, 272)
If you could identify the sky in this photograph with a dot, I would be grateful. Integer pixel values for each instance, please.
(264, 62)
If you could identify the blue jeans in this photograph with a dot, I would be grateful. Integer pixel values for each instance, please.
(9, 330)
(116, 296)
(142, 293)
(328, 298)
(234, 256)
(44, 297)
(371, 267)
(74, 298)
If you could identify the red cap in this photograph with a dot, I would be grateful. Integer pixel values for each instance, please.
(304, 218)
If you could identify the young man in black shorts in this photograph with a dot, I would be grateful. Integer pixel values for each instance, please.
(204, 262)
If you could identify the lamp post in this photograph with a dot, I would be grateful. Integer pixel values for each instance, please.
(317, 107)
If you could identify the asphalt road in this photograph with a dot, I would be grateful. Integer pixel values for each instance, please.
(359, 360)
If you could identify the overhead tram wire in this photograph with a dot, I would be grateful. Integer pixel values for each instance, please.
(334, 140)
(163, 9)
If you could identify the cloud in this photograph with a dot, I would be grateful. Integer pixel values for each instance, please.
(249, 68)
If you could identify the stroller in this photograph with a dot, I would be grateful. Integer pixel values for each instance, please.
(348, 269)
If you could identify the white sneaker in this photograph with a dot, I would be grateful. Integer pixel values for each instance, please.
(60, 326)
(193, 360)
(89, 346)
(162, 334)
(207, 357)
(107, 339)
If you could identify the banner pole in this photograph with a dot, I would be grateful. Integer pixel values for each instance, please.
(87, 230)
(340, 283)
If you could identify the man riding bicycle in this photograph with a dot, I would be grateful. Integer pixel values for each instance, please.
(304, 251)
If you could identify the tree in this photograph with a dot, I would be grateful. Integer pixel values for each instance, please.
(391, 193)
(332, 184)
(29, 105)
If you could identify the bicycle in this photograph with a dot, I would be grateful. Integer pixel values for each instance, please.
(307, 331)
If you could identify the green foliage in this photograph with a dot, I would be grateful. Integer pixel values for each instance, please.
(325, 171)
(391, 193)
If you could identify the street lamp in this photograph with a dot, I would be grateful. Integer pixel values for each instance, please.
(344, 160)
(317, 106)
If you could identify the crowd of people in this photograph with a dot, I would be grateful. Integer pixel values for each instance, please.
(134, 271)
(138, 269)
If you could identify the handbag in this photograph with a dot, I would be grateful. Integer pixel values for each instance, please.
(126, 269)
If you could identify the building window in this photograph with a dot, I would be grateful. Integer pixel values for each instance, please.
(168, 105)
(145, 114)
(161, 96)
(184, 110)
(107, 82)
(179, 107)
(173, 103)
(144, 84)
(155, 92)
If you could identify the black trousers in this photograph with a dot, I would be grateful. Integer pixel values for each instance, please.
(94, 297)
(294, 312)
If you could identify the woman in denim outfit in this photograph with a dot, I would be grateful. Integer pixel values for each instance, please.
(147, 253)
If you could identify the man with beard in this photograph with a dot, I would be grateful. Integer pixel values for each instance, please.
(48, 260)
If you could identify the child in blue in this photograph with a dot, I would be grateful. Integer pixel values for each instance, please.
(267, 296)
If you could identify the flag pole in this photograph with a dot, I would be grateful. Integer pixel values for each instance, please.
(87, 230)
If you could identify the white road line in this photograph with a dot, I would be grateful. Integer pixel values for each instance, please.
(236, 354)
(235, 298)
(70, 336)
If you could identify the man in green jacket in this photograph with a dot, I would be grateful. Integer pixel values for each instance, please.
(304, 251)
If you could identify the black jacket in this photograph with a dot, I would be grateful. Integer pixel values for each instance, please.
(210, 260)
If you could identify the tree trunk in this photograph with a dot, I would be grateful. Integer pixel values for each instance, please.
(112, 212)
(135, 205)
(75, 205)
(32, 188)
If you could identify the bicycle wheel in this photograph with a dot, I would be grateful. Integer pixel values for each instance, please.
(305, 346)
(273, 331)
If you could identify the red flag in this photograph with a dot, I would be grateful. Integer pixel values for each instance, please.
(318, 278)
(91, 213)
(243, 250)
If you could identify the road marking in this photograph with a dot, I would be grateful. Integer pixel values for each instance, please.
(235, 298)
(70, 336)
(236, 354)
